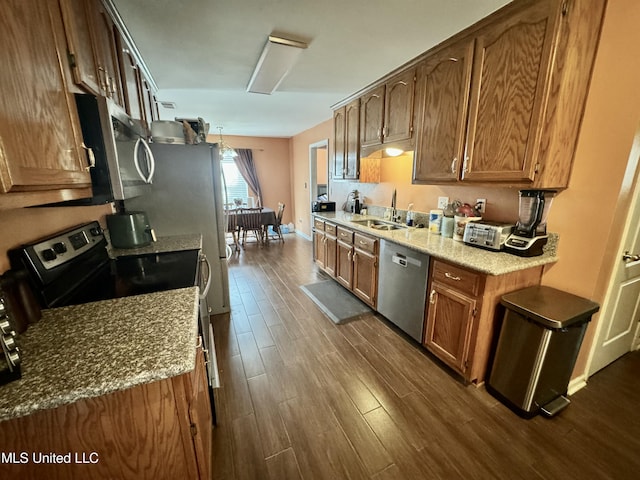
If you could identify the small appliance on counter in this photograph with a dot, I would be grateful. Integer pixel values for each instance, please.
(323, 207)
(130, 230)
(486, 234)
(530, 234)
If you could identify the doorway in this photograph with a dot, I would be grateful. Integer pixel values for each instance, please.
(319, 171)
(619, 328)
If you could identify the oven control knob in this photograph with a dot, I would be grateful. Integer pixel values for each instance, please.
(9, 341)
(5, 326)
(3, 309)
(14, 358)
(59, 247)
(48, 254)
(95, 231)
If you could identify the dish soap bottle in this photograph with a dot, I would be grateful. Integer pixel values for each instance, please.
(410, 215)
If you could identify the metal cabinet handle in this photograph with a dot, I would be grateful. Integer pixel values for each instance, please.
(432, 297)
(627, 257)
(452, 277)
(454, 164)
(349, 254)
(362, 242)
(90, 157)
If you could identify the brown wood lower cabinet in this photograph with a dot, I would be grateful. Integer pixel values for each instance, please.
(461, 313)
(365, 268)
(159, 430)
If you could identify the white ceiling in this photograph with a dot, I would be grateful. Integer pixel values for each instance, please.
(201, 53)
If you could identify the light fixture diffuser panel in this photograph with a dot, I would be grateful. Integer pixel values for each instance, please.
(277, 58)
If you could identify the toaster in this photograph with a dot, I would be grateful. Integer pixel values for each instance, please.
(488, 235)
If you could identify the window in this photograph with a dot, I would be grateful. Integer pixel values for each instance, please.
(236, 185)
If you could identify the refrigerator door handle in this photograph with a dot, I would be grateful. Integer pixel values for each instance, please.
(205, 290)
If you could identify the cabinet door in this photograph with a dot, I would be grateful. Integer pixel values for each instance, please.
(450, 316)
(371, 117)
(339, 142)
(319, 248)
(200, 416)
(77, 26)
(508, 95)
(352, 140)
(344, 264)
(365, 276)
(149, 104)
(130, 79)
(444, 80)
(40, 139)
(331, 250)
(104, 44)
(398, 107)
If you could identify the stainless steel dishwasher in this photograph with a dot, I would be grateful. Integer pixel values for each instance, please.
(402, 287)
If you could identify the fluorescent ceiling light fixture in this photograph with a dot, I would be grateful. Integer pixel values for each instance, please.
(277, 58)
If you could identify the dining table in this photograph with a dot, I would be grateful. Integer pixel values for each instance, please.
(268, 218)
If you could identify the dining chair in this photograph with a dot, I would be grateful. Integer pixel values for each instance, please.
(231, 226)
(276, 226)
(251, 222)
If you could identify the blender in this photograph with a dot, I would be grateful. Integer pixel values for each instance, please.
(530, 234)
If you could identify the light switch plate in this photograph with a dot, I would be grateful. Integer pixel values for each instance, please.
(481, 203)
(443, 202)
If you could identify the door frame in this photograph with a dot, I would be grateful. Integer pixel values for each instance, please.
(628, 208)
(313, 170)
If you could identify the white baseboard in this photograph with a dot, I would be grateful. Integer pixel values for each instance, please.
(306, 237)
(577, 384)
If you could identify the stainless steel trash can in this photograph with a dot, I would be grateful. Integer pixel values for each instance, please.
(537, 349)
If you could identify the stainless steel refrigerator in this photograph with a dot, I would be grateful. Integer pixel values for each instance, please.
(187, 197)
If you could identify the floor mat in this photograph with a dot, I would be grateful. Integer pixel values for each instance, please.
(336, 302)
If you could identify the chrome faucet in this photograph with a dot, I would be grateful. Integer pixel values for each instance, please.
(393, 206)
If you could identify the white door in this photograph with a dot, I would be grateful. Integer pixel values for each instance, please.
(618, 321)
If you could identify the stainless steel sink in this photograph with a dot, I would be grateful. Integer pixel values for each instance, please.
(379, 224)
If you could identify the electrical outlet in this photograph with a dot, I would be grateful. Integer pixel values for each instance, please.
(481, 204)
(443, 202)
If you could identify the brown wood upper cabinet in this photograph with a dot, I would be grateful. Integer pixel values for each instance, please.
(92, 49)
(508, 108)
(386, 112)
(41, 155)
(346, 151)
(443, 85)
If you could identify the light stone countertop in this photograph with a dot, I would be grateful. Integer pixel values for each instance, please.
(92, 349)
(172, 243)
(420, 239)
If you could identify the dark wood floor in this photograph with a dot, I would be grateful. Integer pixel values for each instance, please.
(302, 397)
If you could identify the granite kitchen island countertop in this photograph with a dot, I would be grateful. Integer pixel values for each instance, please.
(92, 349)
(172, 243)
(420, 239)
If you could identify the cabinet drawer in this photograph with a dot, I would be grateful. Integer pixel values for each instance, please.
(345, 235)
(459, 278)
(318, 224)
(330, 228)
(367, 244)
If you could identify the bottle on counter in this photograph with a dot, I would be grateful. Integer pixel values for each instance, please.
(410, 215)
(446, 228)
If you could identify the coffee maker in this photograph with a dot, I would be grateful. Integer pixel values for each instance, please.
(530, 234)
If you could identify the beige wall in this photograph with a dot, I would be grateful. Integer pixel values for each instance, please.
(322, 166)
(25, 225)
(272, 159)
(300, 171)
